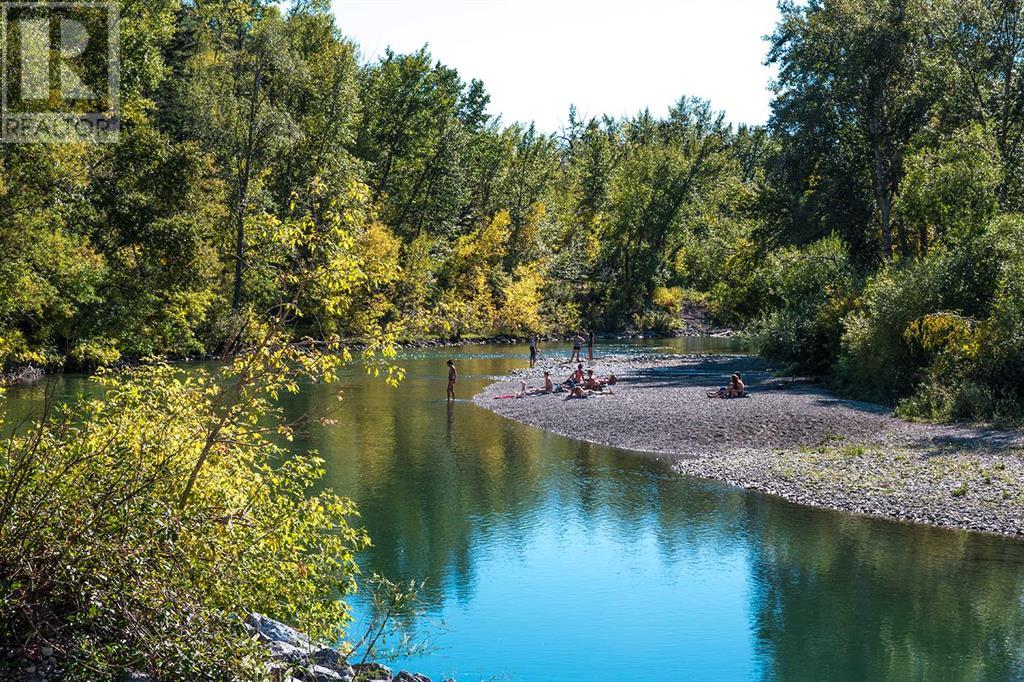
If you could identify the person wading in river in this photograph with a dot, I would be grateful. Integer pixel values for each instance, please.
(577, 346)
(590, 346)
(533, 350)
(453, 378)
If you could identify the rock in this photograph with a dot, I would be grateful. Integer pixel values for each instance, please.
(331, 658)
(289, 653)
(372, 671)
(319, 673)
(406, 676)
(46, 651)
(272, 631)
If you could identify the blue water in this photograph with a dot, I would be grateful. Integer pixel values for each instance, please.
(549, 560)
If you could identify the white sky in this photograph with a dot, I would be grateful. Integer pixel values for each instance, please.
(617, 57)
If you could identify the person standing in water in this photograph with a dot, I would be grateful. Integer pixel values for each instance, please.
(590, 346)
(533, 350)
(577, 345)
(453, 377)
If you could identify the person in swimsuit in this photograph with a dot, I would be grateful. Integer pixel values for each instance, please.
(577, 345)
(453, 378)
(590, 346)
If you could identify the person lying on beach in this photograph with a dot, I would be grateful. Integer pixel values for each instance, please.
(577, 392)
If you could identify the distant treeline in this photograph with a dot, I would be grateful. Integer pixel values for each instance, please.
(867, 234)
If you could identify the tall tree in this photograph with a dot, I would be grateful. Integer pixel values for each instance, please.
(851, 73)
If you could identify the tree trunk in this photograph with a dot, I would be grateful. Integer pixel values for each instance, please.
(884, 200)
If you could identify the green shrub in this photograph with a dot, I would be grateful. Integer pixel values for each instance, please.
(808, 292)
(138, 529)
(879, 359)
(942, 335)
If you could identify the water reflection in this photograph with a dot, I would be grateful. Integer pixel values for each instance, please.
(555, 560)
(539, 551)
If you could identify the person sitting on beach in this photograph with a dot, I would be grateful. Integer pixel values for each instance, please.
(591, 383)
(575, 379)
(735, 389)
(548, 388)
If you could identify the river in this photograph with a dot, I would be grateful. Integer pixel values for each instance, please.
(549, 560)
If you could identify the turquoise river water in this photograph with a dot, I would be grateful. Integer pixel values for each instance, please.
(549, 560)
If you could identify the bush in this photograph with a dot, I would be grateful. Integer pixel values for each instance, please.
(808, 292)
(941, 335)
(138, 529)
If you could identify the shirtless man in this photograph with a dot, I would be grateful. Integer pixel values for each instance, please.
(453, 378)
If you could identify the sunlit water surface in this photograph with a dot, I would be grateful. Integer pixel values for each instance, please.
(548, 560)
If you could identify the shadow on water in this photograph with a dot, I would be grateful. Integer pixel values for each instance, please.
(554, 560)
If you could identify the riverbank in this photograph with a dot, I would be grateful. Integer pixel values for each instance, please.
(790, 438)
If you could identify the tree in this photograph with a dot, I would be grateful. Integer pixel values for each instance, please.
(851, 72)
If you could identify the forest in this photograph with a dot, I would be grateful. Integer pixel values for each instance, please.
(867, 234)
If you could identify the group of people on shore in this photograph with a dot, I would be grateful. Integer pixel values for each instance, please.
(580, 384)
(578, 340)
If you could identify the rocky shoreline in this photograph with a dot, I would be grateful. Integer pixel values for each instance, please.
(291, 657)
(295, 658)
(791, 438)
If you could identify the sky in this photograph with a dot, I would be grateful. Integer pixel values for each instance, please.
(616, 57)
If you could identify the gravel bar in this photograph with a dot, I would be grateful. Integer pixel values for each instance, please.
(789, 438)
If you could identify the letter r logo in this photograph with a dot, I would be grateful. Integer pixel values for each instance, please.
(36, 53)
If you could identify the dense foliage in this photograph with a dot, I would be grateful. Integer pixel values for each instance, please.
(139, 527)
(898, 129)
(240, 116)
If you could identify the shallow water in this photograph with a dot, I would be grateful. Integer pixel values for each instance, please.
(548, 560)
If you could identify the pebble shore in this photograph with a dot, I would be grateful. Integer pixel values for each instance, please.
(789, 438)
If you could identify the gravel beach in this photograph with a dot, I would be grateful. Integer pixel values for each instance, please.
(788, 438)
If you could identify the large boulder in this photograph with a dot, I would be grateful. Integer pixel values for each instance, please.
(332, 658)
(270, 630)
